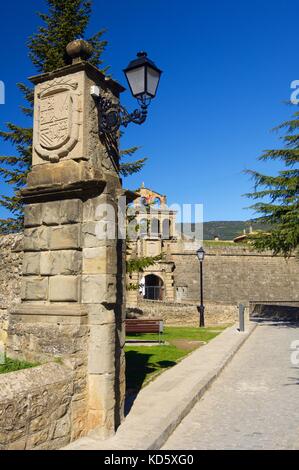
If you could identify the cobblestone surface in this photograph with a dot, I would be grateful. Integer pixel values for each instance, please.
(254, 402)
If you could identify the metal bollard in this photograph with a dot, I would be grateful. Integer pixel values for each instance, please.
(241, 318)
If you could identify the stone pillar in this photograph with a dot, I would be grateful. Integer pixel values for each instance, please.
(133, 293)
(169, 287)
(73, 277)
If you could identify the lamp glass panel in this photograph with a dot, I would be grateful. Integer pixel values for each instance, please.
(136, 80)
(153, 77)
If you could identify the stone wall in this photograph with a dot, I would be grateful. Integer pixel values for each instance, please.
(10, 281)
(187, 314)
(82, 344)
(234, 274)
(40, 408)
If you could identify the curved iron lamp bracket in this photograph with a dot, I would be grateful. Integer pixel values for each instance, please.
(113, 116)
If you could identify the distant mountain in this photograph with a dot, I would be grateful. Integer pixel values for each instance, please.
(228, 230)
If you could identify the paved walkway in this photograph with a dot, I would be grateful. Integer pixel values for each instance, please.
(254, 403)
(162, 404)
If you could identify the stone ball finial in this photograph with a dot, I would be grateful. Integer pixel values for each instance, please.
(79, 50)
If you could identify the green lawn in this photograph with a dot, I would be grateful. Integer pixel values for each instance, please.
(177, 332)
(146, 362)
(12, 365)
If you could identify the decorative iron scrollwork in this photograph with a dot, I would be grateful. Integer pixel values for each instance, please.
(113, 116)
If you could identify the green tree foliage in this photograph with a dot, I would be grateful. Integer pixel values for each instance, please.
(139, 264)
(65, 21)
(279, 205)
(129, 168)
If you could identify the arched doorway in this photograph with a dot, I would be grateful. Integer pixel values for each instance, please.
(153, 288)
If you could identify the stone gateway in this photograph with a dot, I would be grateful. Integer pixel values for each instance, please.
(72, 297)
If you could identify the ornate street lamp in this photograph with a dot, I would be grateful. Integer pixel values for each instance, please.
(143, 77)
(201, 256)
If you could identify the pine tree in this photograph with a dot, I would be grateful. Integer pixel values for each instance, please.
(280, 195)
(129, 168)
(65, 21)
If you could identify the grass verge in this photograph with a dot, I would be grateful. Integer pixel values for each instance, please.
(146, 362)
(12, 365)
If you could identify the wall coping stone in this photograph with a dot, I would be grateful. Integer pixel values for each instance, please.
(28, 380)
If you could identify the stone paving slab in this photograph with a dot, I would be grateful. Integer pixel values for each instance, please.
(162, 405)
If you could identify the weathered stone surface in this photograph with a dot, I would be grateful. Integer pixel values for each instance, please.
(38, 424)
(35, 407)
(235, 274)
(121, 334)
(64, 262)
(3, 326)
(187, 314)
(37, 340)
(20, 444)
(33, 215)
(102, 349)
(70, 211)
(54, 313)
(99, 315)
(101, 402)
(63, 427)
(63, 289)
(79, 418)
(34, 288)
(99, 260)
(94, 260)
(63, 173)
(36, 239)
(89, 237)
(90, 208)
(31, 264)
(99, 288)
(51, 213)
(62, 212)
(37, 439)
(64, 237)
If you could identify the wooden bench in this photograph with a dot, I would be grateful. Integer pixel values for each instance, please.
(145, 326)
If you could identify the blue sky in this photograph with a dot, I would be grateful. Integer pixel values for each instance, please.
(227, 68)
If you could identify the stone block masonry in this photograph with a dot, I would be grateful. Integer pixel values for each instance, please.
(11, 260)
(52, 251)
(40, 408)
(72, 289)
(48, 276)
(235, 274)
(175, 314)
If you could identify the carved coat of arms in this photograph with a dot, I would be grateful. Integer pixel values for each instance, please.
(57, 120)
